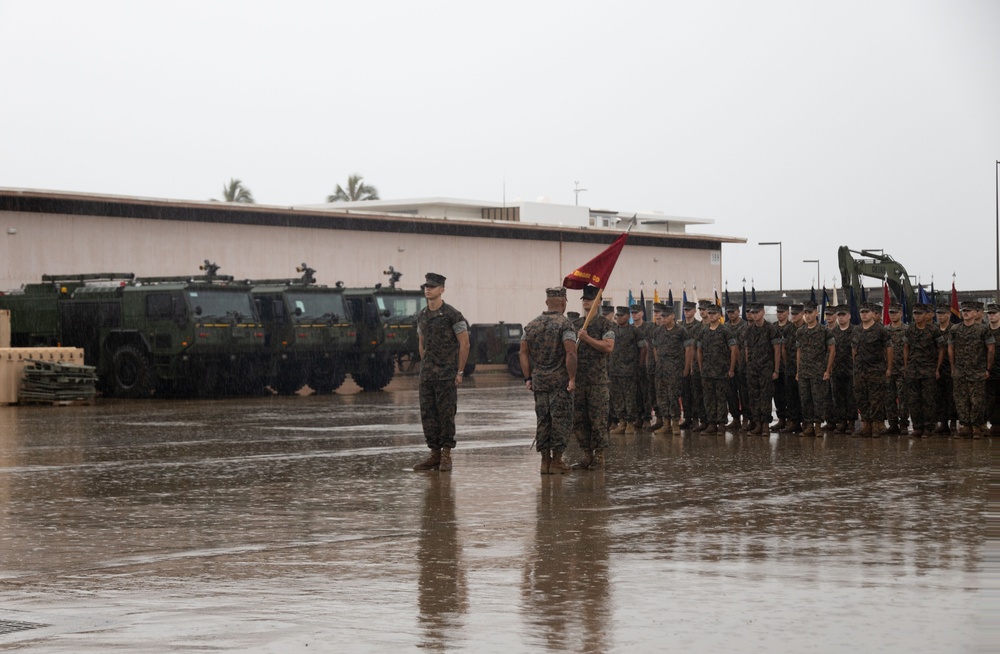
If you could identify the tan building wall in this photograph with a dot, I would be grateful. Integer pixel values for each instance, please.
(495, 272)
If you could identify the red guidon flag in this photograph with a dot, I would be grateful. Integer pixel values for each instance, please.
(597, 271)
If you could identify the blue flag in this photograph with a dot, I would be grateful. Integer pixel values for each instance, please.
(630, 303)
(906, 308)
(922, 296)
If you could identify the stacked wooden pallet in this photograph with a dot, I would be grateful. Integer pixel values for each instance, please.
(54, 382)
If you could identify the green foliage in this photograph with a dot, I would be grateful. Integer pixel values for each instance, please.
(356, 190)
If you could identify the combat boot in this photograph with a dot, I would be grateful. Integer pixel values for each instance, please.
(751, 427)
(687, 423)
(546, 462)
(953, 426)
(664, 430)
(598, 461)
(893, 429)
(780, 425)
(712, 428)
(789, 427)
(765, 430)
(918, 432)
(828, 426)
(557, 466)
(994, 430)
(656, 424)
(964, 432)
(675, 424)
(734, 424)
(619, 428)
(630, 428)
(878, 428)
(700, 427)
(977, 432)
(809, 430)
(644, 425)
(942, 429)
(445, 460)
(431, 463)
(840, 428)
(585, 461)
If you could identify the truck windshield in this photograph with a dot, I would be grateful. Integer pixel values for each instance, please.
(217, 303)
(317, 306)
(401, 306)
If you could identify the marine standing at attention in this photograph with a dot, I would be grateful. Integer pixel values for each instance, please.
(548, 360)
(623, 369)
(443, 342)
(591, 400)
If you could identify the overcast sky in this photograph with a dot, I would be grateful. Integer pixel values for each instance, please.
(873, 124)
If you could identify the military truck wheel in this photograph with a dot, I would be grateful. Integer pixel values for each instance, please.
(289, 380)
(326, 376)
(132, 373)
(376, 376)
(514, 365)
(469, 369)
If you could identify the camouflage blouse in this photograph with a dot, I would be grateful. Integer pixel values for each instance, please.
(439, 330)
(715, 345)
(624, 360)
(969, 343)
(812, 347)
(758, 345)
(869, 347)
(592, 366)
(924, 345)
(545, 335)
(671, 348)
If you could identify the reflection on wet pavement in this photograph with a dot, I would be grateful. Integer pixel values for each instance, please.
(275, 523)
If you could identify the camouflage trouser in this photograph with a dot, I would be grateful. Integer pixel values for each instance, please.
(737, 395)
(813, 391)
(438, 405)
(970, 401)
(780, 397)
(895, 399)
(554, 419)
(793, 400)
(645, 393)
(716, 389)
(921, 397)
(623, 397)
(668, 395)
(944, 399)
(760, 388)
(869, 389)
(693, 397)
(993, 398)
(590, 416)
(845, 406)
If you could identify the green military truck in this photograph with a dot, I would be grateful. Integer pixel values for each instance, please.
(495, 343)
(197, 335)
(386, 322)
(309, 334)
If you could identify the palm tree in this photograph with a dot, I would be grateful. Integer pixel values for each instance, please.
(236, 192)
(356, 190)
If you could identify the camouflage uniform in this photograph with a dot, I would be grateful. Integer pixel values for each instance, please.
(793, 401)
(549, 378)
(715, 345)
(737, 394)
(895, 386)
(780, 392)
(923, 349)
(624, 371)
(693, 392)
(812, 350)
(845, 406)
(670, 349)
(591, 401)
(944, 396)
(968, 348)
(757, 348)
(646, 378)
(870, 364)
(438, 369)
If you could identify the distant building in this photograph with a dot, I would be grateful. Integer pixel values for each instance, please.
(498, 259)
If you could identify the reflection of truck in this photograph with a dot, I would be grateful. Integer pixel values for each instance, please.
(495, 343)
(182, 335)
(875, 264)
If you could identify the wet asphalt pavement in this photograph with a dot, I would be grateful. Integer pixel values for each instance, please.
(295, 525)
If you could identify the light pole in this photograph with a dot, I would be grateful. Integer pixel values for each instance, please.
(815, 261)
(781, 285)
(996, 172)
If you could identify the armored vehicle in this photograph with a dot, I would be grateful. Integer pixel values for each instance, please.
(385, 318)
(309, 334)
(495, 343)
(196, 335)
